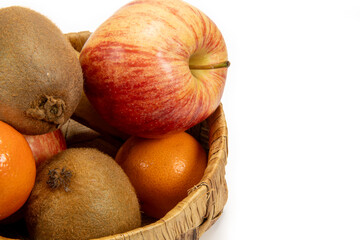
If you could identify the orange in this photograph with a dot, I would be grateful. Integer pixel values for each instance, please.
(17, 170)
(162, 170)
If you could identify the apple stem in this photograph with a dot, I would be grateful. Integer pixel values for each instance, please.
(225, 64)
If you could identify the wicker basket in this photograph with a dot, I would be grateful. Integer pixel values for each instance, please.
(204, 204)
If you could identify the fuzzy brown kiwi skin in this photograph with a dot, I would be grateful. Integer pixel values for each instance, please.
(81, 193)
(41, 79)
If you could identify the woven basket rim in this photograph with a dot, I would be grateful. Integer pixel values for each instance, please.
(204, 190)
(195, 214)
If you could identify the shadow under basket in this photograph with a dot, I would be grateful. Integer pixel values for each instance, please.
(195, 214)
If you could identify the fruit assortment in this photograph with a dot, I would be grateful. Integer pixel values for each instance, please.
(150, 72)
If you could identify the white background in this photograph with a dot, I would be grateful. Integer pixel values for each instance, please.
(292, 106)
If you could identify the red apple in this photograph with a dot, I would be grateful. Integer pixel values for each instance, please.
(46, 145)
(155, 67)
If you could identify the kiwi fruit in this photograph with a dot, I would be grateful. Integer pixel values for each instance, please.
(41, 78)
(81, 193)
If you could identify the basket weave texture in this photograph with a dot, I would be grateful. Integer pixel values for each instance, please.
(195, 214)
(203, 206)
